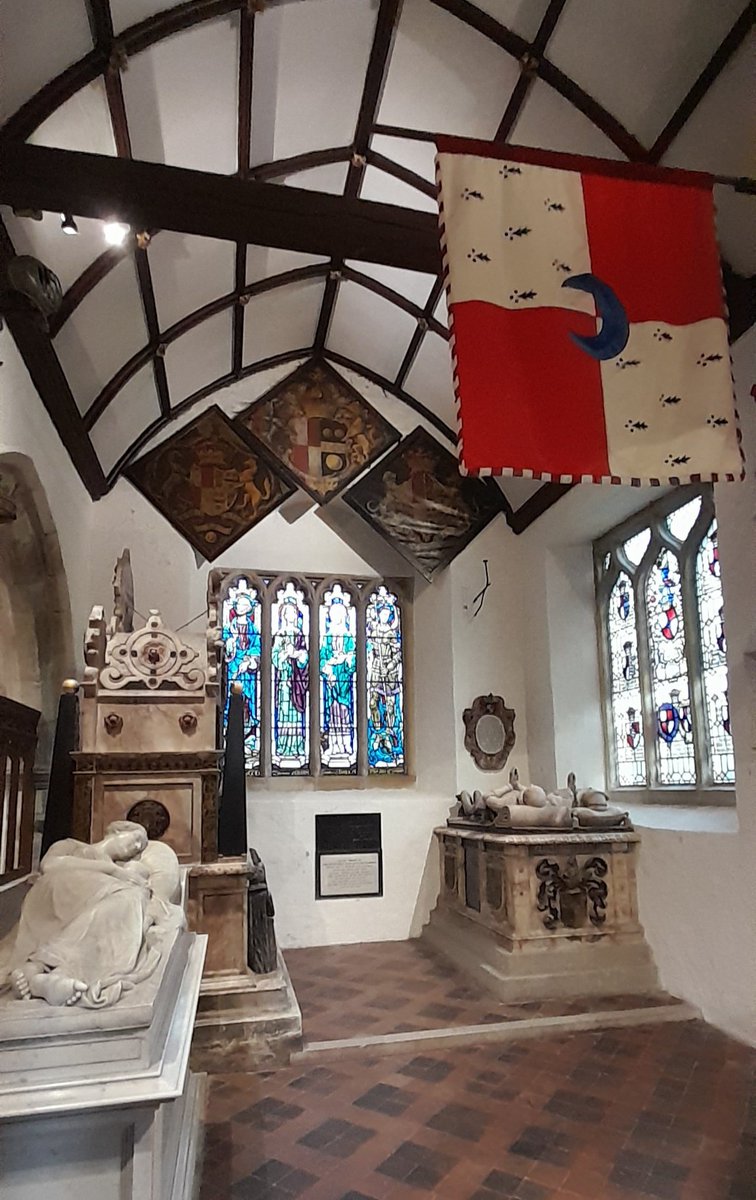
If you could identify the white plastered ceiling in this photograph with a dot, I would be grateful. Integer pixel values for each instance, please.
(310, 58)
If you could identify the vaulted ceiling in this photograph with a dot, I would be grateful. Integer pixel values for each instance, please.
(280, 155)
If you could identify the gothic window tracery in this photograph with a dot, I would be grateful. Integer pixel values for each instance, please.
(321, 661)
(663, 650)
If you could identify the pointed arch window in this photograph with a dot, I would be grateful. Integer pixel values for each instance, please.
(321, 660)
(663, 653)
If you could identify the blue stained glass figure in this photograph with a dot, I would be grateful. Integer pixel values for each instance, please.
(241, 646)
(338, 682)
(290, 620)
(385, 698)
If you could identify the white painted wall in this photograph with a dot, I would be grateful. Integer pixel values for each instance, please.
(25, 428)
(489, 655)
(697, 885)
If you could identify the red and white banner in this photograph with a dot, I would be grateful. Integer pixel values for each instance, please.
(586, 311)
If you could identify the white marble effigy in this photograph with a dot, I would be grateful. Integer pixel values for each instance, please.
(101, 1101)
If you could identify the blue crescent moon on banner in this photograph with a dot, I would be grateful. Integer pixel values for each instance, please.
(615, 330)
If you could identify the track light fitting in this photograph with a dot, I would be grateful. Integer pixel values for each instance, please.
(68, 225)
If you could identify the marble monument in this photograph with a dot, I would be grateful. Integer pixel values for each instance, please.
(538, 894)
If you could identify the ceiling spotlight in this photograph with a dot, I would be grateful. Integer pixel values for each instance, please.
(115, 233)
(67, 224)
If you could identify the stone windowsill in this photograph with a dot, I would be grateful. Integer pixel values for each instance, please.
(684, 818)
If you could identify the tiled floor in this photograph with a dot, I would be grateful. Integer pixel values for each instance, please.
(665, 1111)
(396, 987)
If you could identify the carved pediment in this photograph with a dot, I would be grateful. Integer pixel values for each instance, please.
(153, 657)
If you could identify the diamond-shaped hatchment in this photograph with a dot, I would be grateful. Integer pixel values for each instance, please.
(320, 430)
(416, 498)
(210, 482)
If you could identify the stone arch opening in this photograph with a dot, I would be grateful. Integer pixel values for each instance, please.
(36, 632)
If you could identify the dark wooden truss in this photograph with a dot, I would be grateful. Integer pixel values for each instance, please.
(249, 208)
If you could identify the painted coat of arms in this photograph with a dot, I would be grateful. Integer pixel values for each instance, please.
(210, 483)
(321, 431)
(417, 499)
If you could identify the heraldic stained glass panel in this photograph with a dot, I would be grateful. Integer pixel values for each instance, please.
(385, 683)
(714, 659)
(290, 681)
(241, 630)
(627, 718)
(338, 682)
(669, 672)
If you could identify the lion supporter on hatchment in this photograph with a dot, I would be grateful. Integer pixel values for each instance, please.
(93, 925)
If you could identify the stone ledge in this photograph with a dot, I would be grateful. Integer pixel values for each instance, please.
(685, 818)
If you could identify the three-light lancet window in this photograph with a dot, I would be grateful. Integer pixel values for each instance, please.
(321, 663)
(663, 650)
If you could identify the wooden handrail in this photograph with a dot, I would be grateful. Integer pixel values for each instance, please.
(18, 745)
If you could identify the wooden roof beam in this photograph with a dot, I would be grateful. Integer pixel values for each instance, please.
(153, 196)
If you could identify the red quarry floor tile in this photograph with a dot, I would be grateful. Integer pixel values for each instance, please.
(665, 1112)
(380, 988)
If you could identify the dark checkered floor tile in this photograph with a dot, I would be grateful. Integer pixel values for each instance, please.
(500, 1183)
(269, 1113)
(432, 1070)
(417, 1165)
(657, 1112)
(273, 1180)
(336, 1137)
(348, 990)
(383, 1098)
(576, 1106)
(545, 1145)
(466, 1123)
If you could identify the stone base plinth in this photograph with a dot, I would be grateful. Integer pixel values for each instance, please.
(246, 1021)
(538, 916)
(217, 906)
(100, 1104)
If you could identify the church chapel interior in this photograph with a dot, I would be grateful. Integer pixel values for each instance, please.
(377, 575)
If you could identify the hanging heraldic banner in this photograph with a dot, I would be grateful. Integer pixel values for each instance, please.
(586, 311)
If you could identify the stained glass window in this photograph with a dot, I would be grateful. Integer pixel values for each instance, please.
(664, 651)
(682, 520)
(714, 659)
(338, 682)
(627, 713)
(669, 672)
(321, 664)
(240, 632)
(385, 683)
(290, 654)
(635, 547)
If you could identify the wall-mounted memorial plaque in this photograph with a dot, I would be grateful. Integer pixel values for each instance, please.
(348, 855)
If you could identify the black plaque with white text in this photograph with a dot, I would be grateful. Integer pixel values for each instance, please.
(348, 855)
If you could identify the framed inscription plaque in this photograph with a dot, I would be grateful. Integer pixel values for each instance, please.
(348, 855)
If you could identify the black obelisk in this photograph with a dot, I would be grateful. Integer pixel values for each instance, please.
(58, 822)
(232, 809)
